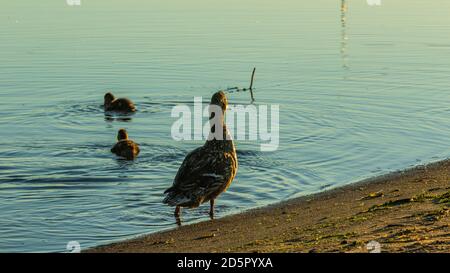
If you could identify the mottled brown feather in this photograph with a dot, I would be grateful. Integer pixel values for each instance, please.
(127, 149)
(119, 105)
(205, 173)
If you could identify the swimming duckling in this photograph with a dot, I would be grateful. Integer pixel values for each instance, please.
(125, 148)
(119, 105)
(207, 171)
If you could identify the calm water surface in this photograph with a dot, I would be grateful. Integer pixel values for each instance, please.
(362, 91)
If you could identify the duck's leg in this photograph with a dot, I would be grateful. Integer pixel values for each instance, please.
(178, 221)
(177, 215)
(177, 211)
(211, 208)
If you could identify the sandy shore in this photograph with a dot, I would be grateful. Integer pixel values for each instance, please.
(404, 212)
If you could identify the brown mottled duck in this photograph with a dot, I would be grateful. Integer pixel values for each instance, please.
(207, 171)
(125, 147)
(112, 103)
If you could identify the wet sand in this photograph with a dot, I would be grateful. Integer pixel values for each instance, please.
(405, 211)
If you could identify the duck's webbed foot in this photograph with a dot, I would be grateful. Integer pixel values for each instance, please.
(211, 209)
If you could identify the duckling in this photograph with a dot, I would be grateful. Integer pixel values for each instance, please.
(207, 171)
(125, 147)
(119, 105)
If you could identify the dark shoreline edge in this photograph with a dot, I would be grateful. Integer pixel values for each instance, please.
(186, 237)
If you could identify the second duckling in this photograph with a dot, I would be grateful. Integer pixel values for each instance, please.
(125, 147)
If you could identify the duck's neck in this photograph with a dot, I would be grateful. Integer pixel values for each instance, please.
(219, 137)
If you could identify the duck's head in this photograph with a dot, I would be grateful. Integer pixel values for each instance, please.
(220, 100)
(109, 97)
(122, 135)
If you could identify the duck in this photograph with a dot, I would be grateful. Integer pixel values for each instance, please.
(125, 147)
(111, 103)
(209, 170)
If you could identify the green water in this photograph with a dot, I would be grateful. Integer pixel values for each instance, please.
(363, 90)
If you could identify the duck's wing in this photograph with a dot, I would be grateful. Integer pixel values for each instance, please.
(194, 162)
(123, 104)
(201, 174)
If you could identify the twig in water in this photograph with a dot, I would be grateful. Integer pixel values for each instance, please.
(237, 89)
(251, 84)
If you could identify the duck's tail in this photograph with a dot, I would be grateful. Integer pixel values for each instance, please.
(176, 198)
